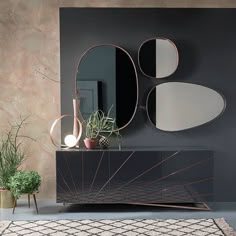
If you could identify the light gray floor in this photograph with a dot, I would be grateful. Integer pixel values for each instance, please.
(50, 210)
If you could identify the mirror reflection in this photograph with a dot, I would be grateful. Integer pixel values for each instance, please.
(176, 106)
(158, 57)
(107, 78)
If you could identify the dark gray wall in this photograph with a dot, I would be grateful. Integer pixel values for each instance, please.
(205, 39)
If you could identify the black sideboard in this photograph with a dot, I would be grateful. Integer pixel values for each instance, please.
(134, 176)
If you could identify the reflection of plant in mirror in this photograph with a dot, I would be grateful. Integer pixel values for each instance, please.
(98, 123)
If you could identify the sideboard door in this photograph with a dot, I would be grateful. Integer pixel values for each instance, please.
(80, 175)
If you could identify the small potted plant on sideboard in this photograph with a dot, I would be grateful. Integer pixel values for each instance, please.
(99, 126)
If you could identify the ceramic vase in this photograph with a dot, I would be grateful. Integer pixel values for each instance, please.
(75, 124)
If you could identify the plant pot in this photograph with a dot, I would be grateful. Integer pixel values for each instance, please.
(6, 199)
(90, 143)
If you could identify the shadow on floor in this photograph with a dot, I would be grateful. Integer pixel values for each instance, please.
(119, 208)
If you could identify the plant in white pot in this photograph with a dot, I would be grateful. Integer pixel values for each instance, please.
(99, 125)
(11, 157)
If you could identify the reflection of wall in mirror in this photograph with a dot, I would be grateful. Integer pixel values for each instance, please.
(113, 68)
(126, 90)
(166, 58)
(151, 105)
(90, 96)
(99, 64)
(176, 106)
(158, 57)
(147, 58)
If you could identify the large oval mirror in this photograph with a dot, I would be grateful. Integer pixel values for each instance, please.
(107, 78)
(158, 57)
(176, 106)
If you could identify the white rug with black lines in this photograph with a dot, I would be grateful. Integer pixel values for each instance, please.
(129, 227)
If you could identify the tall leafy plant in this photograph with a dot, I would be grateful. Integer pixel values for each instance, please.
(11, 154)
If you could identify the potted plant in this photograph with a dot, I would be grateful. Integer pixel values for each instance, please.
(11, 157)
(99, 125)
(24, 183)
(91, 130)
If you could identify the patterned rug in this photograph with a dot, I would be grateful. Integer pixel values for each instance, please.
(171, 227)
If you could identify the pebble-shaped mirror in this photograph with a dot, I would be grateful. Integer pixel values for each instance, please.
(107, 78)
(176, 106)
(158, 58)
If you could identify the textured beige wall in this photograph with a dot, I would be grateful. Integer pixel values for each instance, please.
(29, 71)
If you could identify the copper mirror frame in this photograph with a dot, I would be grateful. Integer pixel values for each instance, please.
(169, 58)
(77, 94)
(187, 100)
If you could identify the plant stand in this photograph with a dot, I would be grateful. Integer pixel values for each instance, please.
(35, 202)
